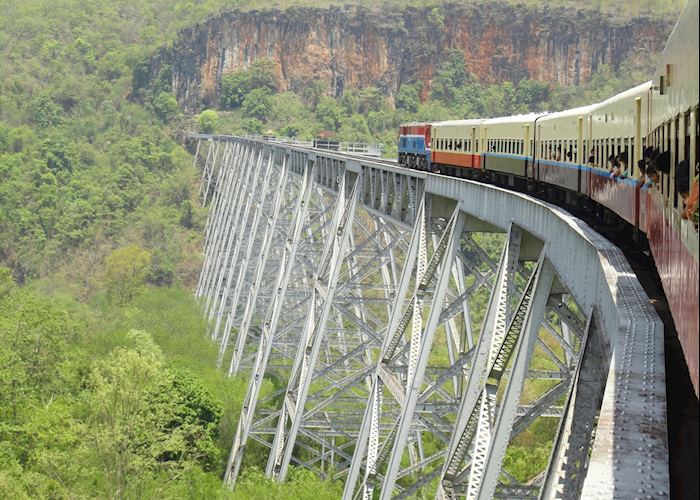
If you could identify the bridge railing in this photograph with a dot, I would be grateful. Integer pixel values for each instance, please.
(374, 150)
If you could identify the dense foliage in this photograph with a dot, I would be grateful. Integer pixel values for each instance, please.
(107, 383)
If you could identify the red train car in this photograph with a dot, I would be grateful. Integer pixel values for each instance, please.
(669, 220)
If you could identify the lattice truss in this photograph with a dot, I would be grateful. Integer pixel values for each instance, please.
(401, 362)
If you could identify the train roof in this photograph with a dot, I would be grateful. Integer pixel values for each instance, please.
(580, 111)
(627, 94)
(415, 124)
(527, 118)
(459, 123)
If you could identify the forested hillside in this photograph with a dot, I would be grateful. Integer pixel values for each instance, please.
(250, 103)
(107, 383)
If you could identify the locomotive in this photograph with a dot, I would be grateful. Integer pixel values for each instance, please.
(627, 155)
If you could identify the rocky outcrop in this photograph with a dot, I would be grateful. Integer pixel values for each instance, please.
(355, 47)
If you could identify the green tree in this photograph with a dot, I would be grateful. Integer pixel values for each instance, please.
(329, 114)
(33, 335)
(46, 112)
(257, 104)
(370, 99)
(531, 95)
(262, 74)
(166, 106)
(234, 87)
(408, 96)
(6, 281)
(208, 121)
(126, 270)
(253, 126)
(145, 421)
(450, 75)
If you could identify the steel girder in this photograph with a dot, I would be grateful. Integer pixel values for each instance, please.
(332, 260)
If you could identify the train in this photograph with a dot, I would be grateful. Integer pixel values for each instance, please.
(634, 156)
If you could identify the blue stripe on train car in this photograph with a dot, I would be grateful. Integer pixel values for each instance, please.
(572, 166)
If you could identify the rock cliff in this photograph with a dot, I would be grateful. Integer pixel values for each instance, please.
(355, 47)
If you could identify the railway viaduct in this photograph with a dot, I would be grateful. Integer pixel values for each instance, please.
(403, 332)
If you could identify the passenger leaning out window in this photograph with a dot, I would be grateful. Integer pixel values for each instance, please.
(690, 210)
(652, 176)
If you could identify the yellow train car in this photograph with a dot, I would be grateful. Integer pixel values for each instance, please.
(616, 143)
(509, 143)
(561, 149)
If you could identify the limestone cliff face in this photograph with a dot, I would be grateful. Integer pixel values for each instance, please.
(354, 47)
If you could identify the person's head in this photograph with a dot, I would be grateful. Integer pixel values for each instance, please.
(653, 174)
(642, 166)
(650, 155)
